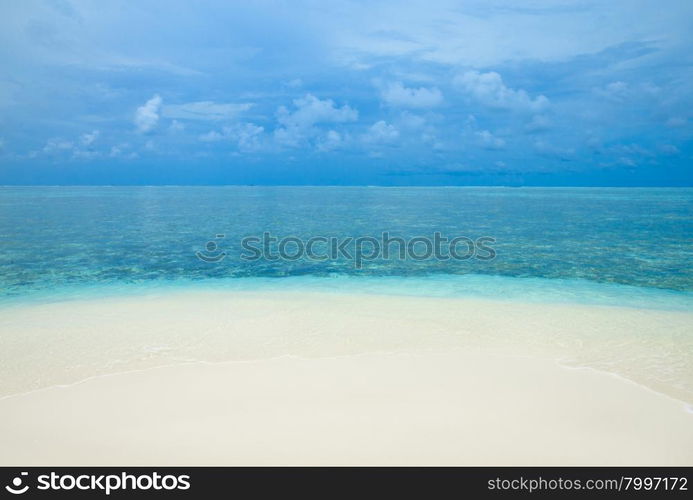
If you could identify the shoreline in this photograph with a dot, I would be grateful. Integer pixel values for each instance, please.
(530, 290)
(81, 339)
(272, 378)
(688, 407)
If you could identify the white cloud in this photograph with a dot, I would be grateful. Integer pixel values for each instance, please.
(291, 137)
(89, 138)
(616, 88)
(247, 136)
(64, 148)
(79, 154)
(538, 123)
(122, 151)
(147, 116)
(620, 91)
(397, 95)
(311, 110)
(211, 136)
(332, 140)
(487, 33)
(205, 110)
(411, 121)
(55, 145)
(545, 148)
(176, 126)
(381, 132)
(429, 137)
(489, 141)
(489, 89)
(631, 149)
(299, 125)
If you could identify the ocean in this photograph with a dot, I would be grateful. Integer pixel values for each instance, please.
(616, 246)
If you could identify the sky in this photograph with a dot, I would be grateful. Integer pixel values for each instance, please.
(435, 92)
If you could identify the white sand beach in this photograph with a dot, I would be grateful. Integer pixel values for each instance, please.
(293, 378)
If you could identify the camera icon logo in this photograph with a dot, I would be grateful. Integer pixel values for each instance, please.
(212, 253)
(16, 487)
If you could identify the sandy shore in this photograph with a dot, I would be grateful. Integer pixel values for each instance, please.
(433, 408)
(335, 379)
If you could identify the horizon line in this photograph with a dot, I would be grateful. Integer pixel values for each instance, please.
(361, 186)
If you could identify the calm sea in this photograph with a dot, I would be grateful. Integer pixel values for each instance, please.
(621, 246)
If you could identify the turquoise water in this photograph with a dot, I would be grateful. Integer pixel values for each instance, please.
(612, 246)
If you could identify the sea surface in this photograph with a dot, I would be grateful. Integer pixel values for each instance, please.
(616, 246)
(631, 248)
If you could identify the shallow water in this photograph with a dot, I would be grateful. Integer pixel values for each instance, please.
(618, 246)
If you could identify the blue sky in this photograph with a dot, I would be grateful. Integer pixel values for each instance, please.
(346, 92)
